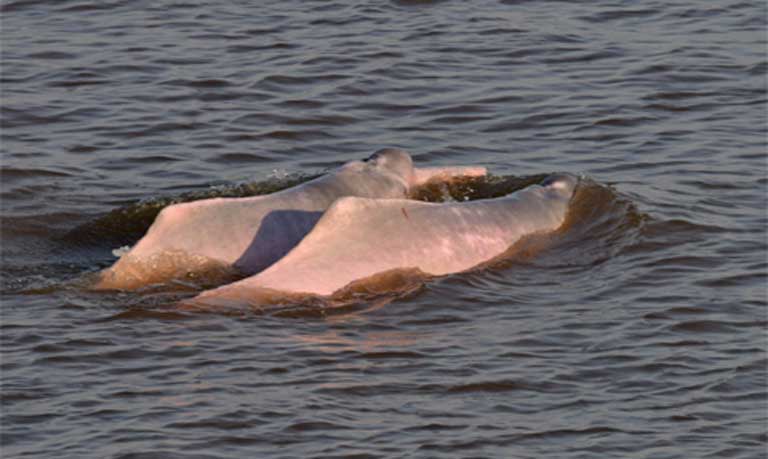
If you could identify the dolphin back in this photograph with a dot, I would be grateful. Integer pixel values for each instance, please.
(361, 237)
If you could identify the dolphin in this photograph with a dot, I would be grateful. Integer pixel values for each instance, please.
(252, 233)
(358, 238)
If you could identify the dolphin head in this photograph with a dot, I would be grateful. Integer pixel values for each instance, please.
(562, 184)
(399, 163)
(394, 161)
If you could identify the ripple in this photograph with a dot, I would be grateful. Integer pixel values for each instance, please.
(640, 323)
(204, 83)
(11, 173)
(619, 14)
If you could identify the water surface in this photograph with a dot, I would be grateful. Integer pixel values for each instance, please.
(638, 331)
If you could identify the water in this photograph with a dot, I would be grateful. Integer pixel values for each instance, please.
(639, 331)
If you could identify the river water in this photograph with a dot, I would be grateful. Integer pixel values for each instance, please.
(639, 330)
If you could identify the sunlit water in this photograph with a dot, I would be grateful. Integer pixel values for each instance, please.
(637, 330)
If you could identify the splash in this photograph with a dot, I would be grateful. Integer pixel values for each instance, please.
(120, 251)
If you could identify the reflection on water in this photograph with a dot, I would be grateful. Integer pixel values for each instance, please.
(332, 341)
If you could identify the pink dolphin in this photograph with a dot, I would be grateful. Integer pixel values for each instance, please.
(361, 237)
(253, 233)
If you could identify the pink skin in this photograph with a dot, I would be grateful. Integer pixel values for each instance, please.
(359, 237)
(253, 233)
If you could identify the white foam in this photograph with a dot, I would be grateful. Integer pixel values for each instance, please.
(120, 251)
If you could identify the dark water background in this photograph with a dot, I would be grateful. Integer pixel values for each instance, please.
(641, 332)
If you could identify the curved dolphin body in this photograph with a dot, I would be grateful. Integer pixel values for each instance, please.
(359, 237)
(253, 233)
